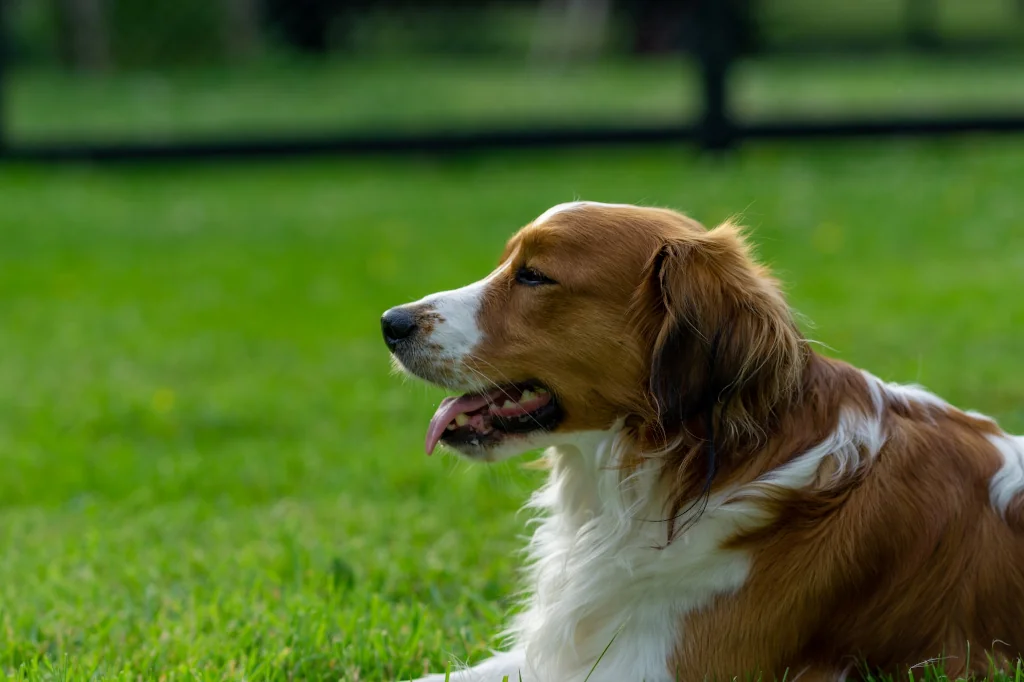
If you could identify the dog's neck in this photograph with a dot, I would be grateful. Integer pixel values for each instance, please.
(597, 484)
(597, 551)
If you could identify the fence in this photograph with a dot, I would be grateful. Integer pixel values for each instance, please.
(711, 40)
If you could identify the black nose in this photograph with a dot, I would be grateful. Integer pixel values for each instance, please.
(397, 324)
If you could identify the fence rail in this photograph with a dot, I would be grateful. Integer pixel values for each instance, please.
(716, 47)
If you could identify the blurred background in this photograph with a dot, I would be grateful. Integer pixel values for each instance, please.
(351, 72)
(207, 469)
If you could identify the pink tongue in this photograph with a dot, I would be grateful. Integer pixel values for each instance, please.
(449, 408)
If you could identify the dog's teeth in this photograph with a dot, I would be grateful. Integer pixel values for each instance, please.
(451, 427)
(461, 419)
(524, 419)
(540, 391)
(508, 405)
(528, 396)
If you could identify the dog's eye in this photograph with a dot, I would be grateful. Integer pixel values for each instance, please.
(531, 277)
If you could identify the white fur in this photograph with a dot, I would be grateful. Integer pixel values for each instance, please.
(906, 393)
(571, 206)
(917, 394)
(902, 393)
(455, 333)
(456, 330)
(1007, 484)
(600, 572)
(854, 443)
(494, 669)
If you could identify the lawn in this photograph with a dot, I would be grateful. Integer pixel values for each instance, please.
(210, 473)
(444, 94)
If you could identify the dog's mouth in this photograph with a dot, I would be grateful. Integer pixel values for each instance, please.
(482, 420)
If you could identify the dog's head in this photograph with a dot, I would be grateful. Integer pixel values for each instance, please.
(599, 314)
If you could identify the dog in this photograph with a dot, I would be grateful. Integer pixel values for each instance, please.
(722, 500)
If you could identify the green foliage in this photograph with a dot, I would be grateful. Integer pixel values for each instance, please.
(209, 470)
(161, 33)
(31, 32)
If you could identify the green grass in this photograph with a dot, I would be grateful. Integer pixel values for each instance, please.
(432, 94)
(209, 471)
(998, 22)
(391, 94)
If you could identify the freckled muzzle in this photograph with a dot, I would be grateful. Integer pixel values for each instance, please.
(475, 422)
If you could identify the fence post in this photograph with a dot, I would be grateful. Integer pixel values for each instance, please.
(715, 52)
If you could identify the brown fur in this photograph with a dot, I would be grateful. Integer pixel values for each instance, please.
(654, 317)
(905, 563)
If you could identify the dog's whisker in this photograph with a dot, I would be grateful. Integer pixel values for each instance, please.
(501, 388)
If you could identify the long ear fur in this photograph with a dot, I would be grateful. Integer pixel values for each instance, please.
(727, 356)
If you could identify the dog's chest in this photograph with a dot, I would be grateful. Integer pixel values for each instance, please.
(610, 593)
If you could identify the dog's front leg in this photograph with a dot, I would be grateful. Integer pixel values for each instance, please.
(510, 664)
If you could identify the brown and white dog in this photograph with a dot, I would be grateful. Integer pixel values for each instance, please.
(723, 502)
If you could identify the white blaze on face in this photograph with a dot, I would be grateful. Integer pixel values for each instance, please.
(456, 331)
(572, 206)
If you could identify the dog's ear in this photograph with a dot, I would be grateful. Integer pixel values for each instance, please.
(725, 352)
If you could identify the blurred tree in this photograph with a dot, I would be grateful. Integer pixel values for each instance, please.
(161, 33)
(95, 36)
(83, 35)
(317, 27)
(305, 25)
(660, 27)
(241, 26)
(571, 28)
